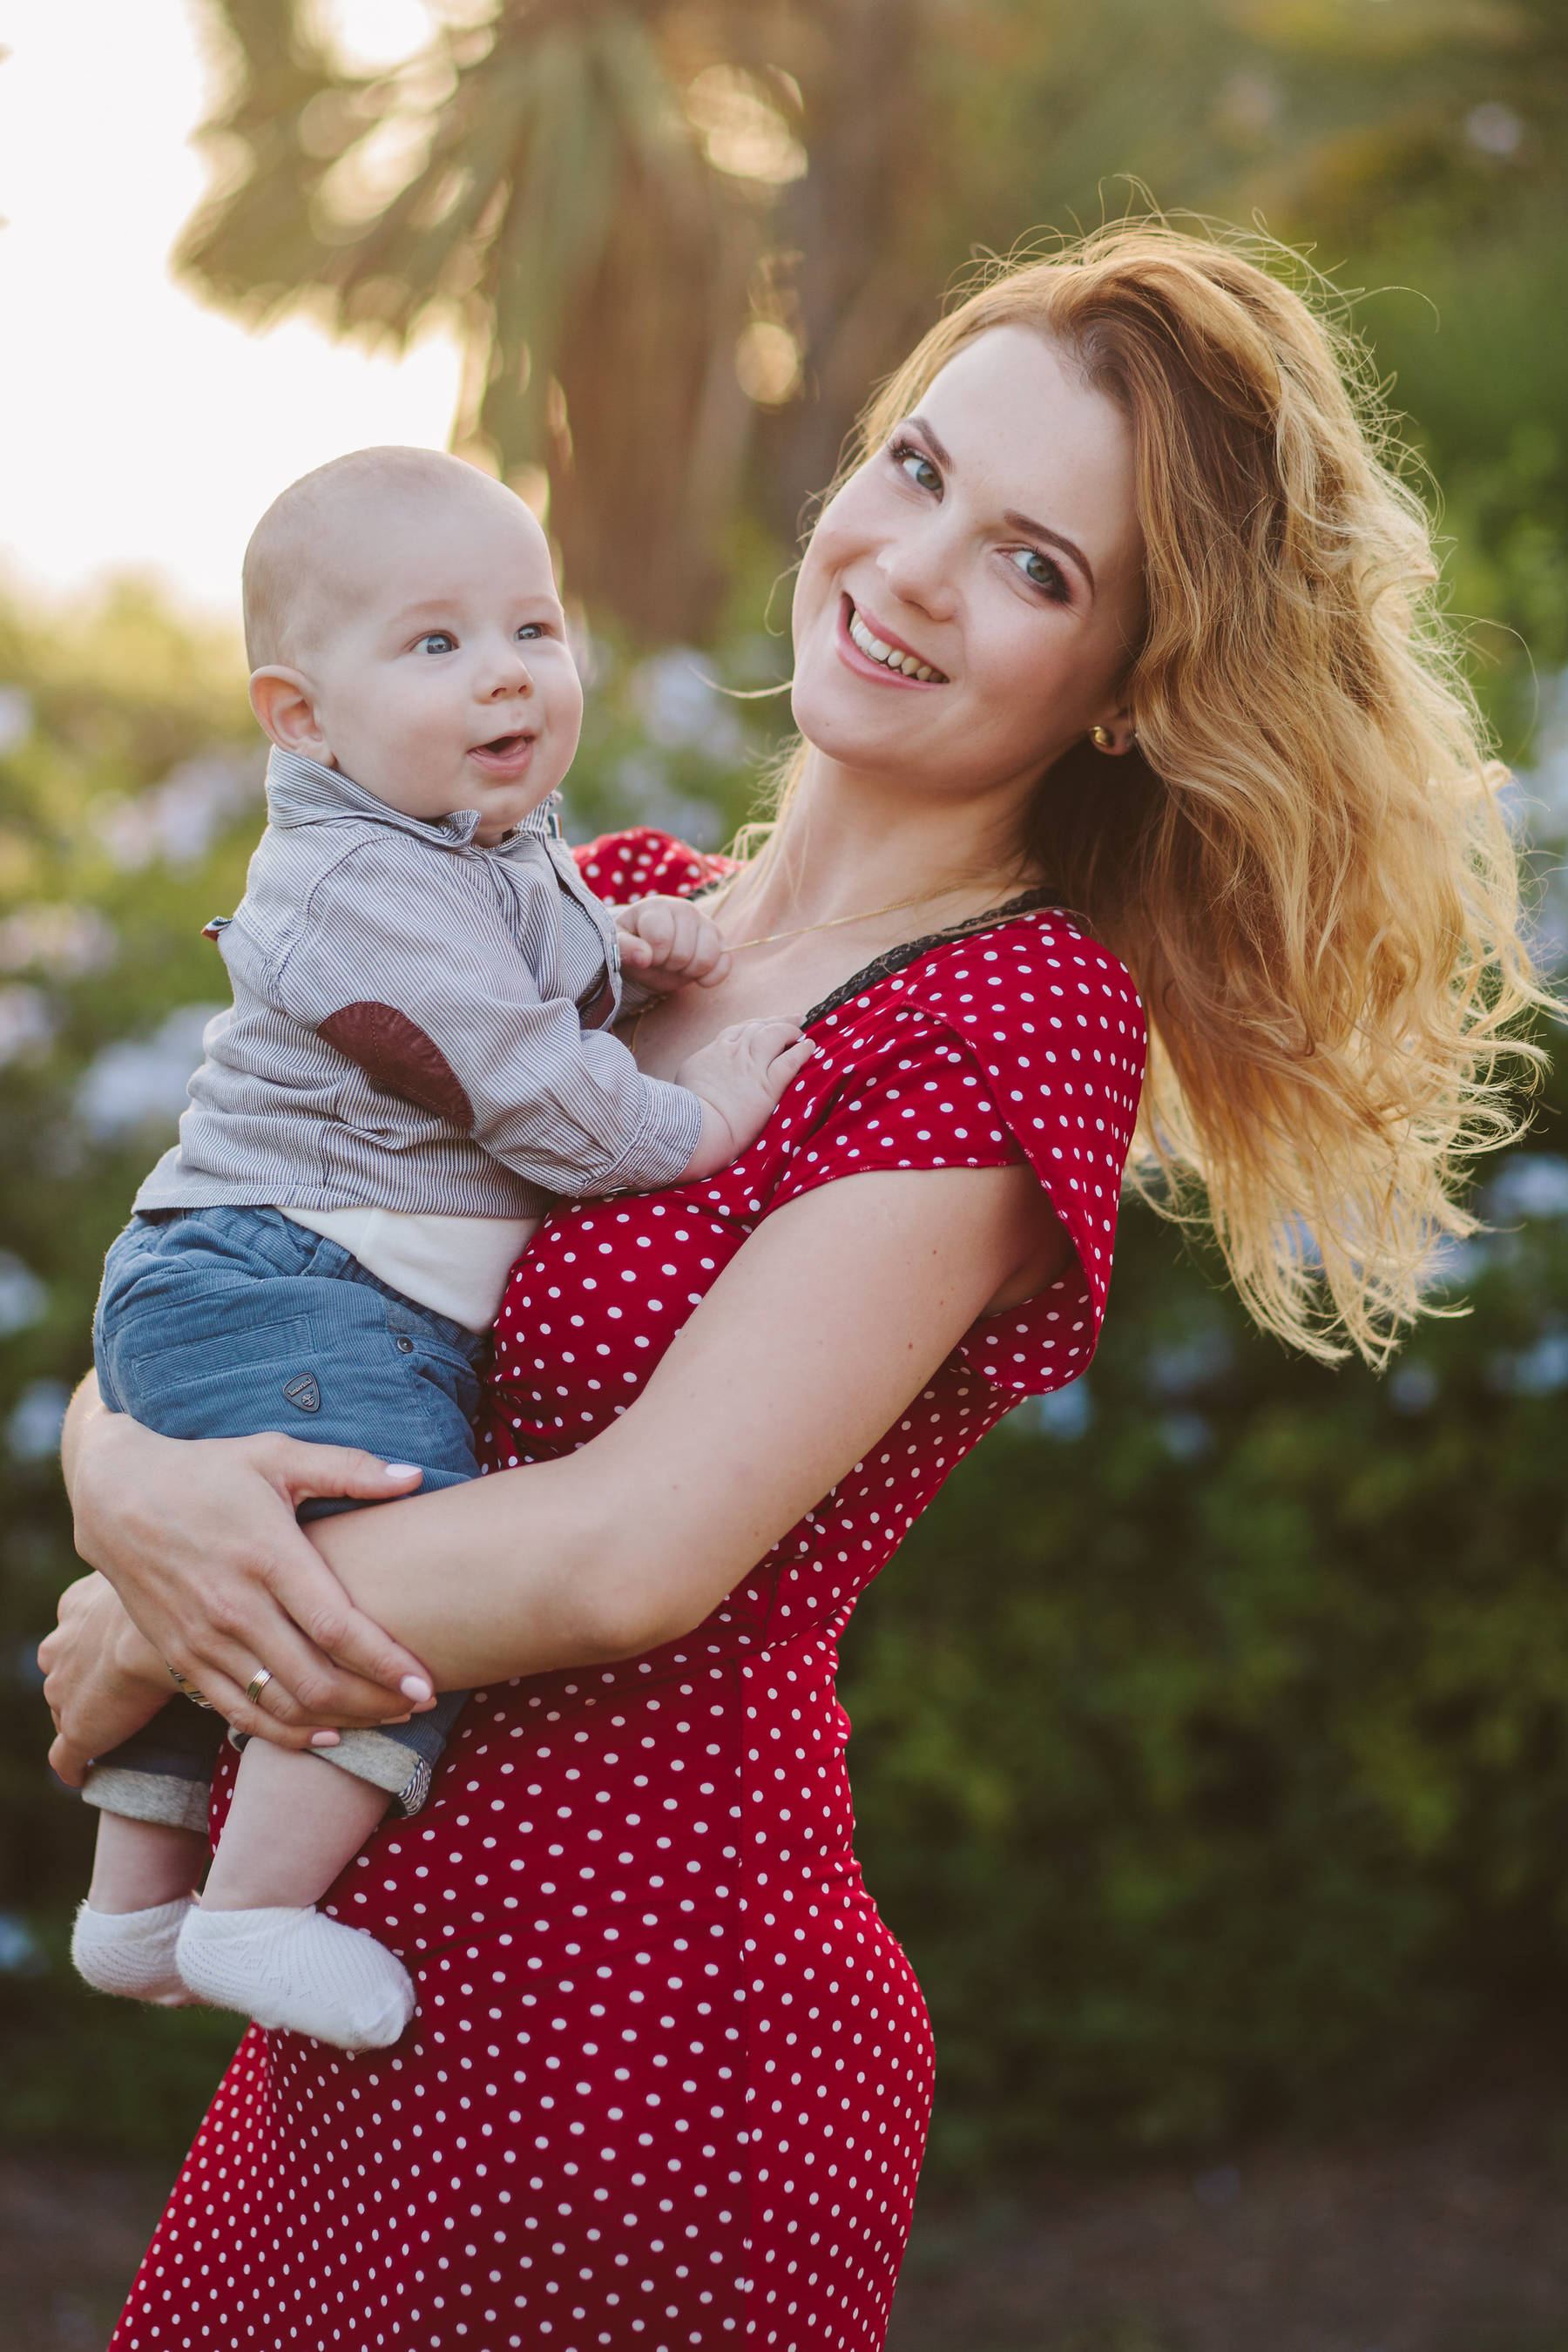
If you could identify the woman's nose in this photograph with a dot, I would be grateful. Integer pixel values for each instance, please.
(917, 567)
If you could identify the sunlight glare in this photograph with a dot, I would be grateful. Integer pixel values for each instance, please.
(139, 430)
(370, 36)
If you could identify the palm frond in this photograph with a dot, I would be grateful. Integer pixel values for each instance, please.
(558, 205)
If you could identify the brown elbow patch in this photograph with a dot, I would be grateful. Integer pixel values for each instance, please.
(396, 1055)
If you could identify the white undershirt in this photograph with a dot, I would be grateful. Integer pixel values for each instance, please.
(456, 1265)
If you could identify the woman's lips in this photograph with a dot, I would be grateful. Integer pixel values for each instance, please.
(867, 664)
(504, 756)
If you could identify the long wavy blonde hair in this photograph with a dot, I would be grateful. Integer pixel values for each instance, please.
(1303, 864)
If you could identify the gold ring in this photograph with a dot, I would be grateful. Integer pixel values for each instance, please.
(257, 1684)
(189, 1690)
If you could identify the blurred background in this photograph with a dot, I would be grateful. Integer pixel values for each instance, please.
(1210, 1733)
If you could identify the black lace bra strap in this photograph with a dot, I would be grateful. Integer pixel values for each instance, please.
(896, 958)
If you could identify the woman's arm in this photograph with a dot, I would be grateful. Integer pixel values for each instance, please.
(821, 1330)
(810, 1345)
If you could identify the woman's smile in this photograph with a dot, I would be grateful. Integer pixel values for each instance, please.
(888, 656)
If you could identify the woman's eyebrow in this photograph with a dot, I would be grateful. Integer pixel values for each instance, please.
(932, 439)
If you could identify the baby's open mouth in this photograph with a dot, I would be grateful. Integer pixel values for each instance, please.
(501, 747)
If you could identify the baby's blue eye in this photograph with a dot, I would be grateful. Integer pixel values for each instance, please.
(438, 641)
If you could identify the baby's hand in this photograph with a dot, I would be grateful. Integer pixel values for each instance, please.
(738, 1077)
(665, 942)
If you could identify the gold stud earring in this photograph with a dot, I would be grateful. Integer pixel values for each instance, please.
(1102, 739)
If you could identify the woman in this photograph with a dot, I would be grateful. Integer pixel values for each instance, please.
(1118, 611)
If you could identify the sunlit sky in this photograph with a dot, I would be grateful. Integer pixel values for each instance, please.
(138, 429)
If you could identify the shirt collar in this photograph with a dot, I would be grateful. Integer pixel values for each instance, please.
(301, 791)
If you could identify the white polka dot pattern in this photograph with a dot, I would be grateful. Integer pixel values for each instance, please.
(669, 2080)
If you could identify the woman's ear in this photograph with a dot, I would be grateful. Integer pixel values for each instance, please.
(1115, 734)
(285, 707)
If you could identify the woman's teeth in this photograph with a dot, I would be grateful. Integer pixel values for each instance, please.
(876, 651)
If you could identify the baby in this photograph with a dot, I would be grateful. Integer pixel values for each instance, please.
(418, 1058)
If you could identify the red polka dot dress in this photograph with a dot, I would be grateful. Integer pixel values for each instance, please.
(668, 2083)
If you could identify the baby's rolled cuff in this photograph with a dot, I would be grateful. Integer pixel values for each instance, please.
(178, 1804)
(637, 995)
(401, 1759)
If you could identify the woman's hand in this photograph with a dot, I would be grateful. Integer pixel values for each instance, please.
(102, 1678)
(198, 1538)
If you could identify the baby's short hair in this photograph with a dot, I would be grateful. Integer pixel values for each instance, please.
(286, 568)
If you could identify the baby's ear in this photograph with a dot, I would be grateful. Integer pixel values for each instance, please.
(285, 707)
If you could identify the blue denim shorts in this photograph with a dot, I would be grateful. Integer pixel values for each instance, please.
(228, 1322)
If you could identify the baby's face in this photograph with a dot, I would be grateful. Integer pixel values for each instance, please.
(436, 664)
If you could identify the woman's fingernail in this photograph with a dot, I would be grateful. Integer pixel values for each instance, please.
(323, 1738)
(413, 1686)
(400, 1469)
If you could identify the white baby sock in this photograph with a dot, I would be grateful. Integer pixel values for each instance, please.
(298, 1969)
(132, 1952)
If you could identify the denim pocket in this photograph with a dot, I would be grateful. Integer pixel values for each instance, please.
(258, 1375)
(441, 1370)
(257, 1345)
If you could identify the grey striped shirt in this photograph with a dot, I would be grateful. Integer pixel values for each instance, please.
(418, 1023)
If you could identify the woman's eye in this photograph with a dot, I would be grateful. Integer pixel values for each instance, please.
(1041, 572)
(438, 641)
(918, 468)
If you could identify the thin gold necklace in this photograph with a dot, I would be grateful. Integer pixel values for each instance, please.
(771, 939)
(834, 922)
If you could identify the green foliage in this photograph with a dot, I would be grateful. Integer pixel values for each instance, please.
(534, 179)
(105, 2076)
(127, 792)
(1214, 1761)
(1472, 340)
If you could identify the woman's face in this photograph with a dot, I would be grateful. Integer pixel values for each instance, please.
(992, 551)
